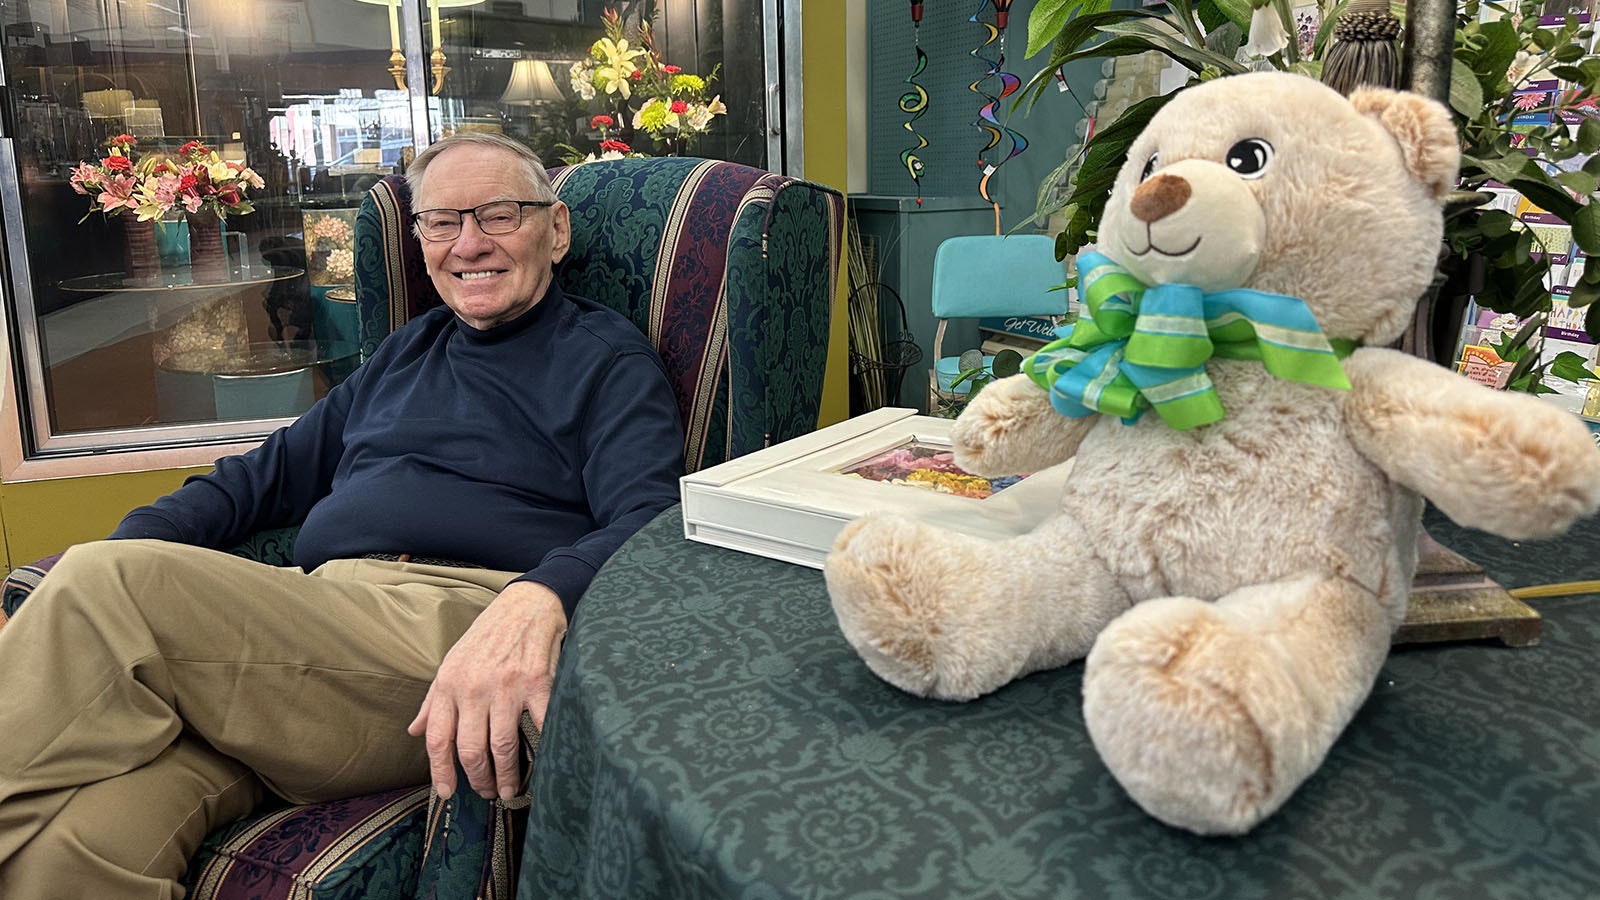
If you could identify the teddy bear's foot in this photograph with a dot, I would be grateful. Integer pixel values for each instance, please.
(930, 612)
(892, 588)
(1211, 714)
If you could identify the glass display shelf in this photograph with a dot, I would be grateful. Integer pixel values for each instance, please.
(259, 380)
(179, 279)
(260, 358)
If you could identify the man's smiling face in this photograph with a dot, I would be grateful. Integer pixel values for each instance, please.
(490, 279)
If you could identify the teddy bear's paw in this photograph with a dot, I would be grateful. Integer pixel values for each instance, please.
(890, 602)
(1190, 713)
(1008, 429)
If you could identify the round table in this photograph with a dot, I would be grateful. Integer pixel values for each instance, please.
(712, 735)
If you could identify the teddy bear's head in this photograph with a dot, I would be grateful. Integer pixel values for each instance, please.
(1275, 182)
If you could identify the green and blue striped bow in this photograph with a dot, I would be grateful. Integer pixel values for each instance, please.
(1145, 347)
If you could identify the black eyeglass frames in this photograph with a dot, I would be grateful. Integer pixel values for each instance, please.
(498, 217)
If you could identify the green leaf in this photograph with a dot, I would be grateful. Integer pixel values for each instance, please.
(1568, 53)
(1586, 230)
(1503, 168)
(1522, 376)
(1466, 94)
(1500, 47)
(1069, 43)
(1046, 20)
(1579, 182)
(972, 375)
(1588, 139)
(1570, 366)
(1007, 363)
(1496, 222)
(1542, 190)
(1235, 11)
(1195, 59)
(1225, 39)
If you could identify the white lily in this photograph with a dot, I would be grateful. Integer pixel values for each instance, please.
(1267, 34)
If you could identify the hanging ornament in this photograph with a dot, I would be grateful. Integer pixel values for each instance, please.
(914, 102)
(988, 114)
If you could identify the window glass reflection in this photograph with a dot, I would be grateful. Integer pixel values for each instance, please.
(126, 337)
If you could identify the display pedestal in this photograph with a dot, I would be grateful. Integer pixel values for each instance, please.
(1453, 600)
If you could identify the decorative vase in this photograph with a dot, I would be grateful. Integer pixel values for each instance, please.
(141, 260)
(208, 261)
(172, 238)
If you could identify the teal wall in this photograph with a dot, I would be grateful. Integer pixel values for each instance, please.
(948, 37)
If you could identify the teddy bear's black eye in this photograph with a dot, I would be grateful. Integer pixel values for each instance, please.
(1249, 158)
(1150, 166)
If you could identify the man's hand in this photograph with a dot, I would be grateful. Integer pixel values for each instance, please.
(504, 664)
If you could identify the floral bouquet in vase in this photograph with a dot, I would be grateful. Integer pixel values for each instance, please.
(642, 93)
(112, 185)
(208, 189)
(196, 182)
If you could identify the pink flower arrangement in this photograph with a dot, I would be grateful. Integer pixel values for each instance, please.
(109, 183)
(195, 179)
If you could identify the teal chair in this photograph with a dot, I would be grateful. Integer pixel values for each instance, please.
(731, 272)
(984, 275)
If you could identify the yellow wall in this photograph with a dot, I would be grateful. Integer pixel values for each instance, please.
(43, 517)
(826, 162)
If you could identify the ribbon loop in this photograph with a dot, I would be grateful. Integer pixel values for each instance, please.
(1144, 348)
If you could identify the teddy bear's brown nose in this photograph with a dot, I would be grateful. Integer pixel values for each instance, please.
(1159, 197)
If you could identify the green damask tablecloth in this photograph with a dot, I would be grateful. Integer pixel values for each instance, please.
(712, 735)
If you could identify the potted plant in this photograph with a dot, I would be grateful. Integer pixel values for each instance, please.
(1497, 56)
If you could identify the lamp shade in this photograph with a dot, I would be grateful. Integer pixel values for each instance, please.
(530, 83)
(436, 4)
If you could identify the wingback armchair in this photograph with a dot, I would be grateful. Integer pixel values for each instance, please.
(731, 272)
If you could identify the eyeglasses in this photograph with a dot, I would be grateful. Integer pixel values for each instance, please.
(499, 217)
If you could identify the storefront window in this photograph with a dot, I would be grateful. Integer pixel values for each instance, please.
(121, 336)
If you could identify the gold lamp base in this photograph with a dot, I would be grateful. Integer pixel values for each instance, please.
(437, 66)
(397, 68)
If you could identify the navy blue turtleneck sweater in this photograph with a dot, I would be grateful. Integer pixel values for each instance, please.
(535, 446)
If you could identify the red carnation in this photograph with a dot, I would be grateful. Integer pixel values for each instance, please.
(671, 70)
(679, 107)
(118, 163)
(602, 121)
(124, 140)
(637, 74)
(187, 182)
(618, 146)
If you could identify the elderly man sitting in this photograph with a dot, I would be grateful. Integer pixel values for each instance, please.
(456, 495)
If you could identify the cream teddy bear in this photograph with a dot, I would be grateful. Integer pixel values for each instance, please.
(1236, 539)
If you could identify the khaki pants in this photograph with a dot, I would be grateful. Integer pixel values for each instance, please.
(151, 691)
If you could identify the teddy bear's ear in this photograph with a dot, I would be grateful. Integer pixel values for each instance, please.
(1427, 137)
